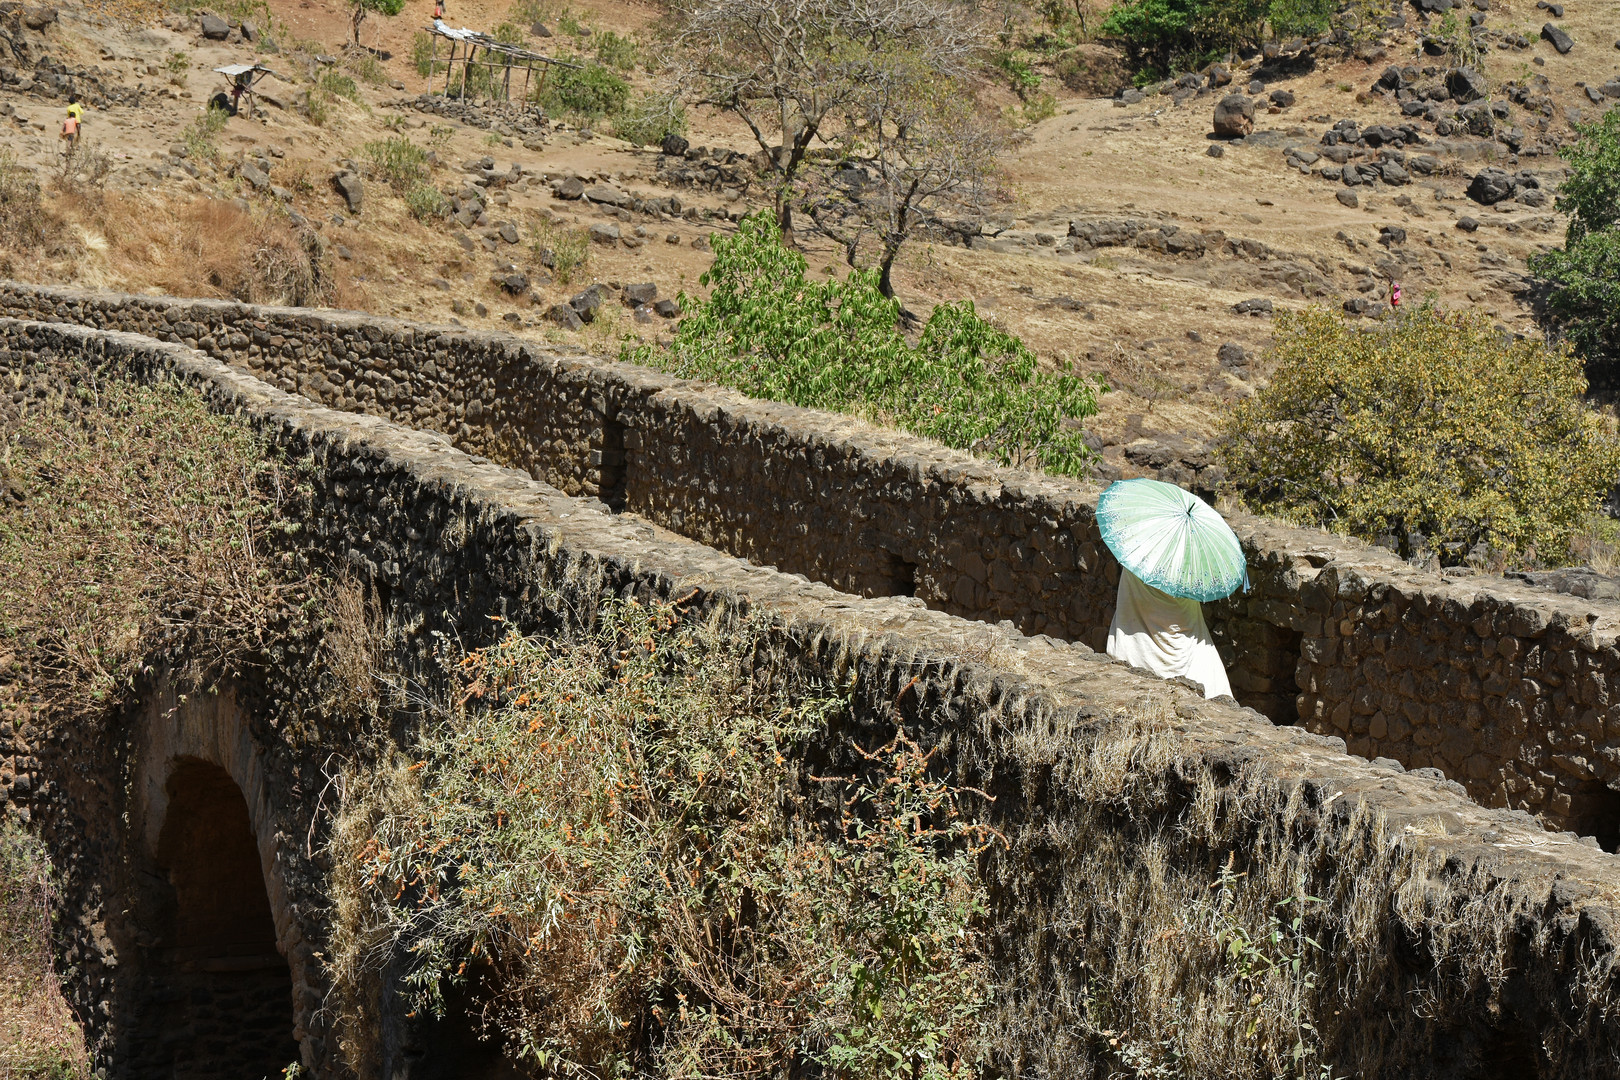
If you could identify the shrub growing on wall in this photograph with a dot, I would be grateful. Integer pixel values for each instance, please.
(771, 332)
(1434, 428)
(612, 842)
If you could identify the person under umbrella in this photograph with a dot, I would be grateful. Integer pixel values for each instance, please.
(1174, 552)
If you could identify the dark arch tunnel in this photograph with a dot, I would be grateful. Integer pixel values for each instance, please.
(216, 1003)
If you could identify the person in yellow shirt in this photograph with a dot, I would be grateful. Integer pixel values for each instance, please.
(71, 124)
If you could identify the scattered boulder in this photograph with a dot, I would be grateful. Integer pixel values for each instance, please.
(565, 316)
(1558, 39)
(38, 18)
(1130, 96)
(215, 28)
(639, 294)
(1359, 305)
(1234, 116)
(253, 175)
(1258, 305)
(607, 195)
(1282, 98)
(587, 303)
(667, 308)
(602, 233)
(1347, 197)
(674, 145)
(1394, 174)
(352, 188)
(1466, 84)
(1232, 355)
(1491, 186)
(1533, 197)
(515, 283)
(1467, 224)
(539, 29)
(570, 188)
(1219, 75)
(1391, 234)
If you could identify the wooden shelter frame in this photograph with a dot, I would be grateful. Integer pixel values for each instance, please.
(511, 56)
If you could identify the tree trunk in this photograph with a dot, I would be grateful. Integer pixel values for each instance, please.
(885, 283)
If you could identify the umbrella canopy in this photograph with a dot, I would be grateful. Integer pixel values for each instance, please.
(1171, 539)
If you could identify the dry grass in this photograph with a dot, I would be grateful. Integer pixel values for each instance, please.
(200, 247)
(1166, 922)
(155, 524)
(39, 1038)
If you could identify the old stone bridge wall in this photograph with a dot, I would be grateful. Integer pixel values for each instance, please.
(1512, 691)
(1467, 941)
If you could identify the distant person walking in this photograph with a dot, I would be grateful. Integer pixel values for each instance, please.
(1395, 295)
(1174, 552)
(71, 125)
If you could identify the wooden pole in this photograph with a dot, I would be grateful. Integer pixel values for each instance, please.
(433, 61)
(450, 67)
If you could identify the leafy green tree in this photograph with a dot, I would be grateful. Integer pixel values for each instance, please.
(1165, 34)
(1435, 428)
(1584, 301)
(769, 331)
(1168, 33)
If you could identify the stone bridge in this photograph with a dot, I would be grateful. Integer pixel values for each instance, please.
(1432, 754)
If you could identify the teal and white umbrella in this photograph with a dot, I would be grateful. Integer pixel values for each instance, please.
(1171, 539)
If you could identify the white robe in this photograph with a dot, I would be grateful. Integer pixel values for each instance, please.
(1166, 635)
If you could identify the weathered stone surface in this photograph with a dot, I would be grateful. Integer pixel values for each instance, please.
(1557, 38)
(215, 28)
(1029, 714)
(719, 467)
(352, 188)
(1234, 115)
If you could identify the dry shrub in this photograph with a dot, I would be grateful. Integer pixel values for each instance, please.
(143, 525)
(27, 225)
(613, 844)
(39, 1037)
(356, 643)
(210, 247)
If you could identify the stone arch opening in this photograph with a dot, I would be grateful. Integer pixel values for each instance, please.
(220, 990)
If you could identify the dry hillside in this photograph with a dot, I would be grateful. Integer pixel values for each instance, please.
(1131, 239)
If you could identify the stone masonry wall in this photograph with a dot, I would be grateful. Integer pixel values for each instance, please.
(1511, 690)
(1506, 934)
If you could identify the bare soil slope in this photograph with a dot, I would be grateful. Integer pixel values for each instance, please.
(1128, 249)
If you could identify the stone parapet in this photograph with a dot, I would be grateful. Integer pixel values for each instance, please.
(1511, 690)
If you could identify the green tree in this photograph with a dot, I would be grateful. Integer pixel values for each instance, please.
(1165, 34)
(1168, 33)
(1435, 428)
(769, 331)
(1584, 301)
